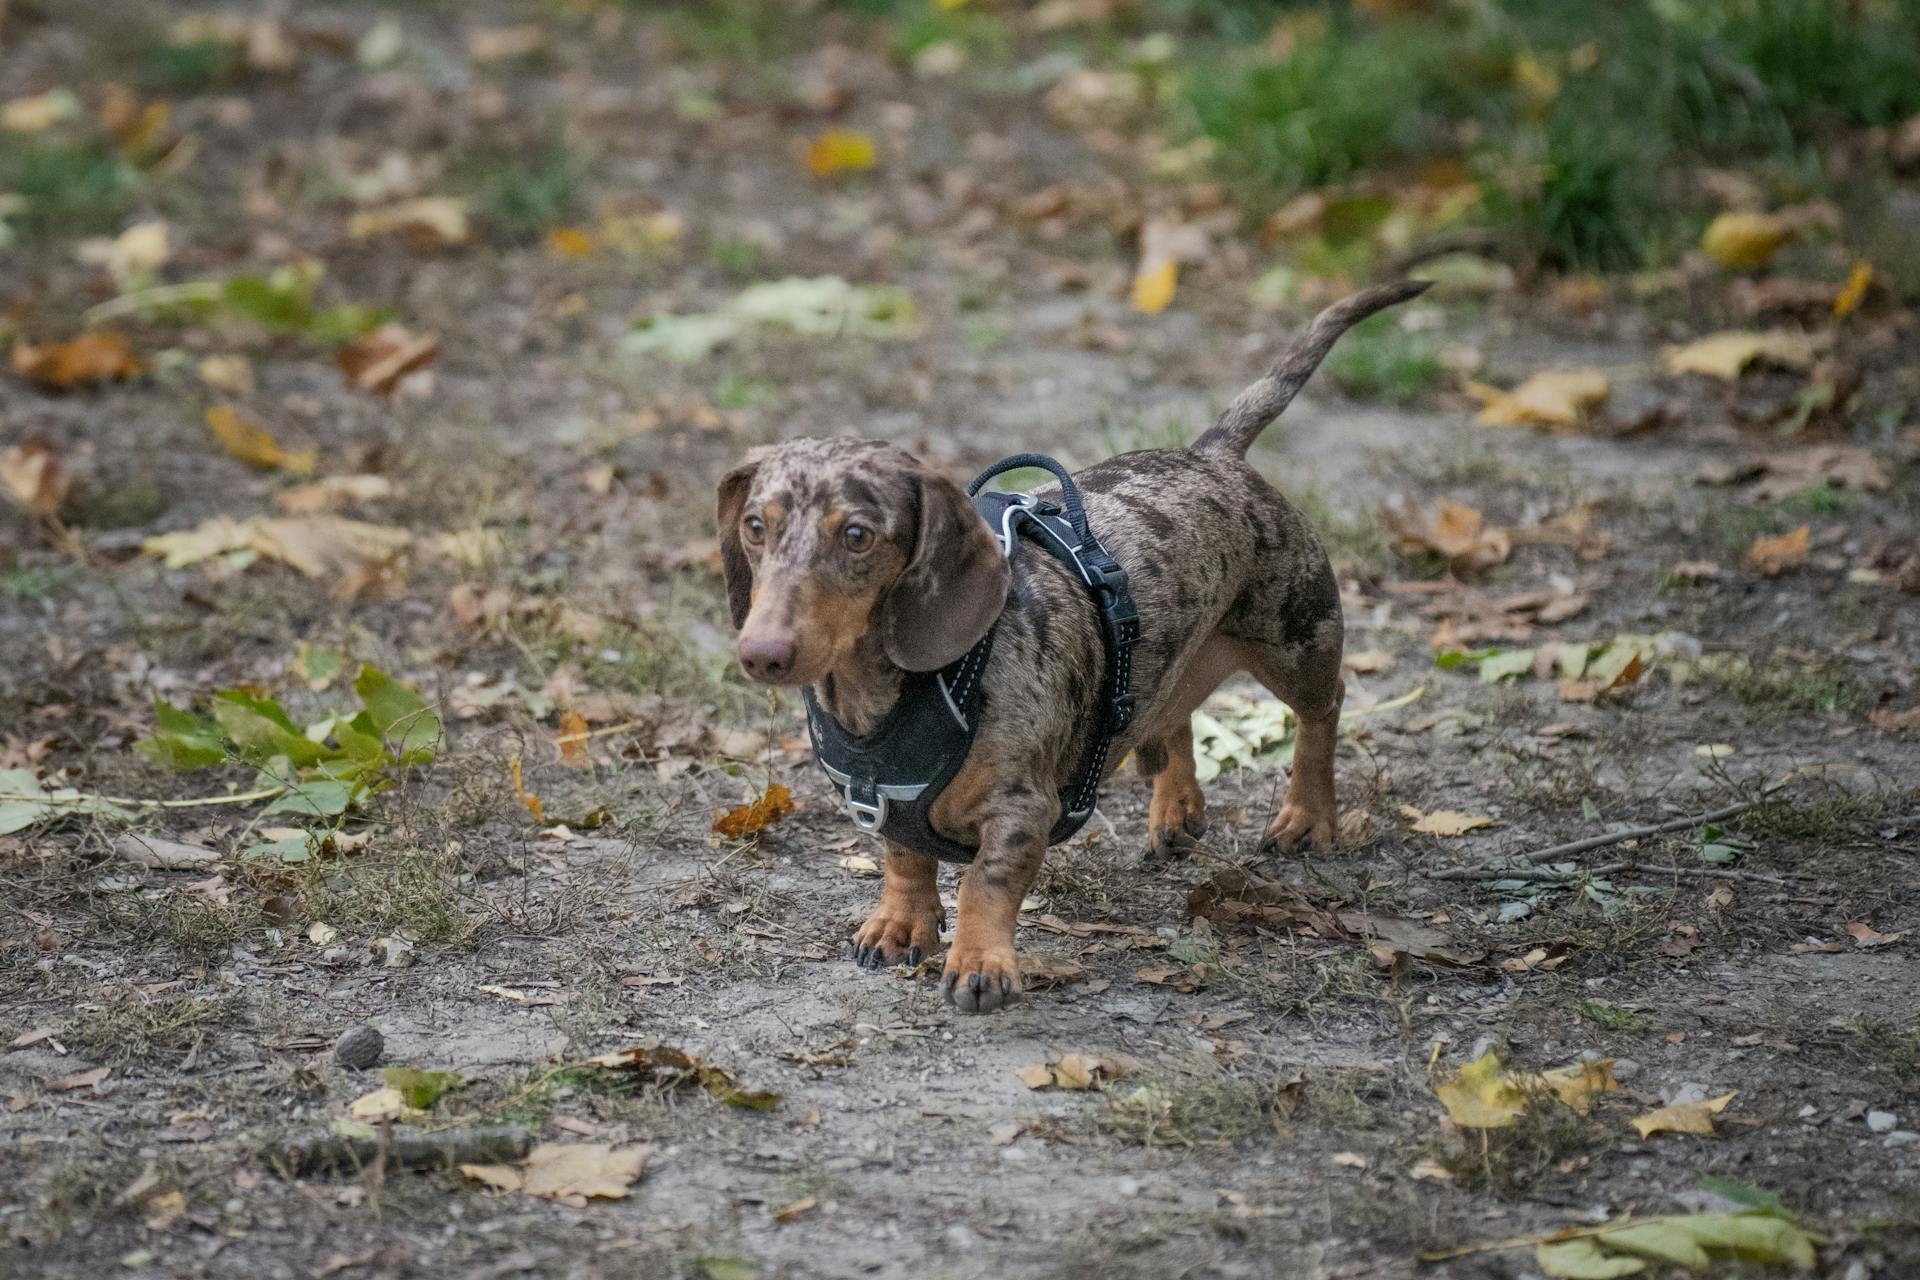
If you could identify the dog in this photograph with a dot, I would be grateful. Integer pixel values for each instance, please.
(850, 564)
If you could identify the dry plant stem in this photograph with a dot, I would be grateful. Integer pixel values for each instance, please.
(1572, 847)
(244, 797)
(1615, 868)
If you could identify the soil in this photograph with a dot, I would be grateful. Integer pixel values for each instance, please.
(1274, 1111)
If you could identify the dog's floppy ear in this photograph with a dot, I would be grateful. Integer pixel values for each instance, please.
(733, 557)
(953, 588)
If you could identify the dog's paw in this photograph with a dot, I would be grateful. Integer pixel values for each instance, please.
(1296, 823)
(1176, 817)
(981, 980)
(894, 939)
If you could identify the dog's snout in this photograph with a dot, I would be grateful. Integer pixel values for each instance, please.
(765, 657)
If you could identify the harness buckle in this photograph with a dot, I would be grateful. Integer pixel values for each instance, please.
(868, 816)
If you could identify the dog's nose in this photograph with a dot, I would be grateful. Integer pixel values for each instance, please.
(766, 657)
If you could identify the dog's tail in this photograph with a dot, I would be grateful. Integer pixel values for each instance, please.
(1255, 408)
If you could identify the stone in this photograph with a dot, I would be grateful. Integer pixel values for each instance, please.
(1900, 1138)
(1882, 1121)
(360, 1048)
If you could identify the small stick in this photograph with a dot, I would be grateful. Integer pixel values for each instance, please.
(1535, 876)
(1602, 841)
(325, 1154)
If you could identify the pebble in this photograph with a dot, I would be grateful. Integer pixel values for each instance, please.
(1901, 1138)
(1625, 1068)
(360, 1048)
(1882, 1121)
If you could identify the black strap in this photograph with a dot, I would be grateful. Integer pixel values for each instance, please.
(891, 777)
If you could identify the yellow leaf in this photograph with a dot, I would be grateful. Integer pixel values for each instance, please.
(573, 741)
(1848, 299)
(534, 804)
(840, 151)
(1579, 1084)
(384, 1103)
(1450, 822)
(1037, 1076)
(429, 222)
(1686, 1117)
(1154, 288)
(254, 444)
(750, 819)
(42, 111)
(1746, 241)
(333, 492)
(1537, 84)
(1545, 399)
(1481, 1097)
(1727, 355)
(35, 475)
(570, 242)
(1773, 556)
(567, 1171)
(231, 374)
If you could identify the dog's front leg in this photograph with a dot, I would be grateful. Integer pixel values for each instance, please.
(906, 924)
(982, 971)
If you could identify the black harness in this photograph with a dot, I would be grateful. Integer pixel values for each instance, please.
(890, 778)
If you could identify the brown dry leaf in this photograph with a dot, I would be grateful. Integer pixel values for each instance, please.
(1743, 241)
(1036, 1076)
(1074, 1071)
(35, 475)
(1865, 935)
(775, 803)
(1886, 718)
(571, 1171)
(1579, 1084)
(1455, 531)
(329, 546)
(1773, 556)
(1591, 690)
(40, 112)
(1368, 662)
(380, 360)
(1727, 355)
(572, 740)
(385, 1103)
(840, 151)
(91, 357)
(1445, 822)
(254, 445)
(1545, 399)
(798, 1209)
(231, 374)
(332, 493)
(1685, 1117)
(84, 1080)
(427, 222)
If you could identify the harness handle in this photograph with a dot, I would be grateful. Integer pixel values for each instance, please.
(1069, 492)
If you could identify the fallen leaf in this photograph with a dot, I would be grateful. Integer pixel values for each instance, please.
(1449, 823)
(1685, 1117)
(859, 866)
(333, 492)
(775, 803)
(1455, 531)
(253, 444)
(572, 741)
(1482, 1096)
(1848, 300)
(1773, 556)
(380, 360)
(35, 475)
(798, 1209)
(1036, 1076)
(1579, 1084)
(40, 112)
(1743, 241)
(1545, 399)
(533, 803)
(84, 1080)
(91, 357)
(497, 44)
(1368, 662)
(570, 242)
(231, 374)
(1891, 721)
(567, 1171)
(1074, 1071)
(164, 855)
(384, 1103)
(1865, 935)
(1154, 287)
(428, 222)
(840, 151)
(131, 257)
(1351, 1160)
(1728, 355)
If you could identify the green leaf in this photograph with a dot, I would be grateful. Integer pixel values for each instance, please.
(420, 1089)
(398, 717)
(1692, 1240)
(1496, 667)
(181, 740)
(1583, 1259)
(317, 667)
(261, 730)
(1754, 1198)
(38, 805)
(317, 798)
(292, 849)
(1719, 853)
(282, 305)
(727, 1269)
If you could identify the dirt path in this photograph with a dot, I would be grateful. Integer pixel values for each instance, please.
(1271, 1110)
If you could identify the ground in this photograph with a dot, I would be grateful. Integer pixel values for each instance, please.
(1266, 1104)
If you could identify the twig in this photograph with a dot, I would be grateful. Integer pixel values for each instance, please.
(329, 1153)
(163, 295)
(79, 798)
(1602, 841)
(1534, 876)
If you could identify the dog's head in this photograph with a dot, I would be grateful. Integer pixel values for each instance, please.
(825, 542)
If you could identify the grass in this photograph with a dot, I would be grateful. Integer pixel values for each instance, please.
(411, 891)
(1514, 1162)
(1185, 1110)
(69, 188)
(130, 1026)
(521, 191)
(1778, 687)
(1894, 1046)
(1613, 1018)
(1380, 359)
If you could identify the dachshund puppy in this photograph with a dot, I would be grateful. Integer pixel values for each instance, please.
(850, 564)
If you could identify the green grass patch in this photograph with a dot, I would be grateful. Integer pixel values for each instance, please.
(67, 188)
(1380, 359)
(521, 192)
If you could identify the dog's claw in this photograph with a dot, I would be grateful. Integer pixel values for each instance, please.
(914, 957)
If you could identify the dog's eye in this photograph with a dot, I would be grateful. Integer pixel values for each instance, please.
(755, 529)
(857, 537)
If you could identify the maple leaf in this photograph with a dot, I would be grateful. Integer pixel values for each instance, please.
(1683, 1117)
(1545, 399)
(91, 357)
(1727, 355)
(775, 803)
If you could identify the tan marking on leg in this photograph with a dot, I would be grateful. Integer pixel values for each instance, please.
(1310, 812)
(906, 923)
(983, 972)
(1177, 814)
